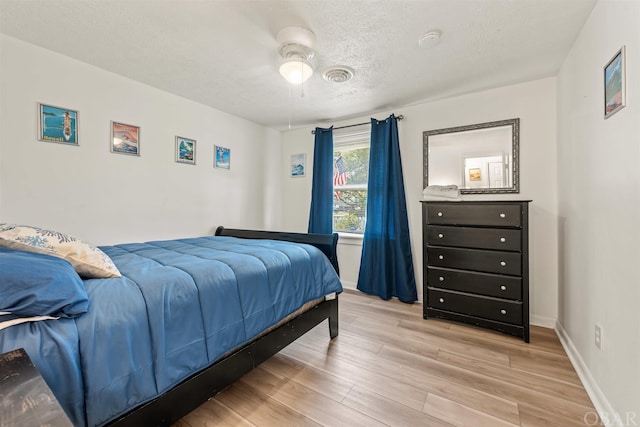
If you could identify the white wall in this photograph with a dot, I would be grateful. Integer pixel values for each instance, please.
(599, 210)
(105, 198)
(534, 103)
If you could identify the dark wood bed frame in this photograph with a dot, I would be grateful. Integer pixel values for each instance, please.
(169, 407)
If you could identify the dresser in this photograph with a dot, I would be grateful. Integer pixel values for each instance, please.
(476, 264)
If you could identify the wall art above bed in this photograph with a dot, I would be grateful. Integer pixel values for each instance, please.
(222, 157)
(185, 150)
(125, 139)
(57, 124)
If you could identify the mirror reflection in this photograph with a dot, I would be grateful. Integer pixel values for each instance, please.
(480, 158)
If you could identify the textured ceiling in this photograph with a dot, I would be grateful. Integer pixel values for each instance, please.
(223, 53)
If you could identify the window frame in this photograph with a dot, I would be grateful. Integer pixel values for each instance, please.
(351, 140)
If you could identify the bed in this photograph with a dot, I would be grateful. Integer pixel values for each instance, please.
(186, 318)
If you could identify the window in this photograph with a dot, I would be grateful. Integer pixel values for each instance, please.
(350, 176)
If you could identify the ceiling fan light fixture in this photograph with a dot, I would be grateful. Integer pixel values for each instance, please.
(296, 70)
(296, 49)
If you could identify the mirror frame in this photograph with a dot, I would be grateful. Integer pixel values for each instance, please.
(515, 147)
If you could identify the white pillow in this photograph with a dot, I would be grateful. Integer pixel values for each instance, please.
(87, 260)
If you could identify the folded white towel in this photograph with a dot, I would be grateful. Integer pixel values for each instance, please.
(441, 199)
(441, 192)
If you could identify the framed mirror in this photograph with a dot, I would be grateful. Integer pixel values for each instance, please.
(479, 159)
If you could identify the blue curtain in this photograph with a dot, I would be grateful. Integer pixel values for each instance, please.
(386, 266)
(321, 215)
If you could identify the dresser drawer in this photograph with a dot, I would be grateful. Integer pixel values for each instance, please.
(494, 285)
(485, 307)
(504, 215)
(470, 237)
(473, 259)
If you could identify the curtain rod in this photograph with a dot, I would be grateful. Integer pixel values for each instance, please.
(313, 132)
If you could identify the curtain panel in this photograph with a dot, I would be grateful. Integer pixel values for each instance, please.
(386, 266)
(321, 213)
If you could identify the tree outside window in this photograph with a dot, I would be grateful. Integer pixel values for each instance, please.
(350, 176)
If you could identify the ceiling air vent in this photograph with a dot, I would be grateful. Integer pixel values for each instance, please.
(338, 74)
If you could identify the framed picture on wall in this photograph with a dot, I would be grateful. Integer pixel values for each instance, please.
(222, 157)
(475, 174)
(125, 139)
(614, 84)
(298, 163)
(57, 124)
(185, 150)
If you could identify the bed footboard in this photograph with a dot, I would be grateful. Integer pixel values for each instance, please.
(197, 389)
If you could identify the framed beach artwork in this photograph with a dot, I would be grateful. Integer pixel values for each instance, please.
(185, 150)
(614, 84)
(125, 139)
(298, 162)
(57, 124)
(222, 157)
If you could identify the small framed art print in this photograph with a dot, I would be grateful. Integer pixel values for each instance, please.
(222, 157)
(125, 139)
(614, 84)
(475, 174)
(185, 150)
(57, 124)
(298, 164)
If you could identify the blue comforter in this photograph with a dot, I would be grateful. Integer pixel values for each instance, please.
(179, 306)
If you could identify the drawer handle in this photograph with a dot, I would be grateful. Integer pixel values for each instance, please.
(439, 213)
(440, 256)
(502, 239)
(503, 288)
(502, 215)
(441, 278)
(440, 236)
(502, 263)
(441, 299)
(503, 311)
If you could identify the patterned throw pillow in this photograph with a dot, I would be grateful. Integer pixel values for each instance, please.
(89, 261)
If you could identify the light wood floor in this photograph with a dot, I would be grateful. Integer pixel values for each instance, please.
(390, 367)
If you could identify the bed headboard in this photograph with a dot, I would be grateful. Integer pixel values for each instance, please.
(327, 243)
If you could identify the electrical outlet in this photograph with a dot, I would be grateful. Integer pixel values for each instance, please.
(598, 336)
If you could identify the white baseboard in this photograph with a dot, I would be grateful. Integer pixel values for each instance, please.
(545, 322)
(600, 401)
(349, 285)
